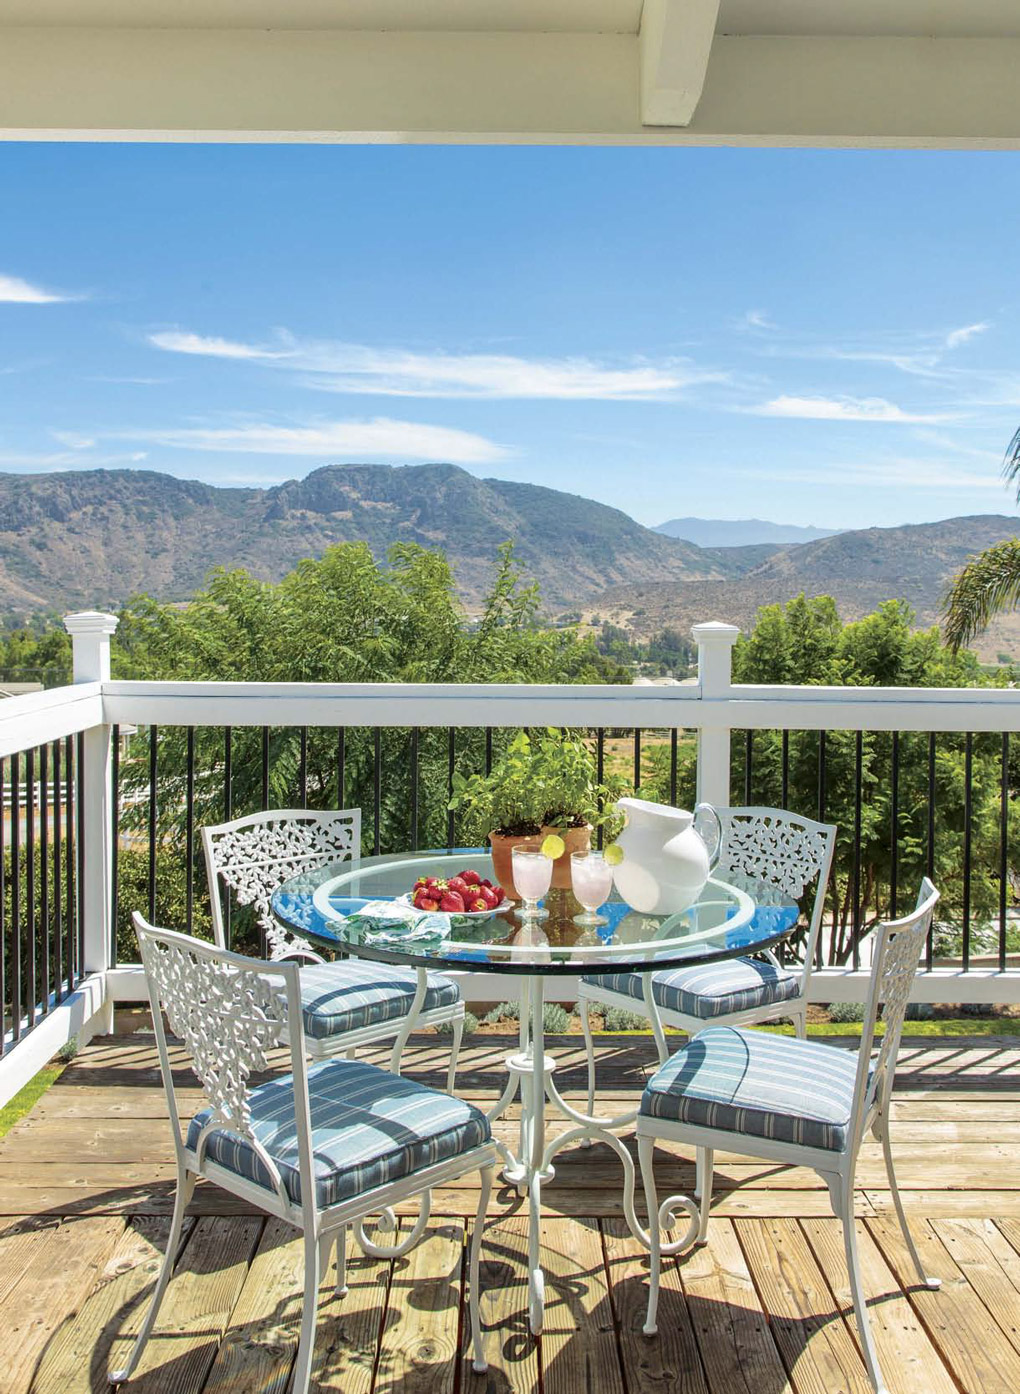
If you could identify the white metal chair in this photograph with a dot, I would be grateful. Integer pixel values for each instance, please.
(322, 1148)
(349, 1003)
(776, 856)
(790, 1101)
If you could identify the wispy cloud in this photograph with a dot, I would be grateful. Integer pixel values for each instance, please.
(66, 459)
(15, 291)
(380, 437)
(921, 353)
(755, 319)
(956, 337)
(897, 472)
(334, 366)
(873, 409)
(74, 440)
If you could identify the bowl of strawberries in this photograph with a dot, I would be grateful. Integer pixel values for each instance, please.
(467, 893)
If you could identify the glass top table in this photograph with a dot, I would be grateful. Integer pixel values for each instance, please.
(724, 922)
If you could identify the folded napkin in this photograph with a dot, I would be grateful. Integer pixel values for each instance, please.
(387, 922)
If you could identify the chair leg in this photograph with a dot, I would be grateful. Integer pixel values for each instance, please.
(900, 1214)
(704, 1174)
(860, 1306)
(306, 1343)
(646, 1151)
(589, 1051)
(479, 1363)
(800, 1023)
(457, 1037)
(185, 1188)
(341, 1262)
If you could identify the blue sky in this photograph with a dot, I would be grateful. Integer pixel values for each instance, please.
(811, 337)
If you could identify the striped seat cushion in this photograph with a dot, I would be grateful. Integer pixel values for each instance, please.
(710, 989)
(760, 1085)
(341, 997)
(369, 1128)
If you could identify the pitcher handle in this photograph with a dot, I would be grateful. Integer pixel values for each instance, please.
(714, 849)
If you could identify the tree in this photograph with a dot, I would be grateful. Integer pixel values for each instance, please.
(990, 582)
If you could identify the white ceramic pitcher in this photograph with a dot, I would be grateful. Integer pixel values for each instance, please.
(665, 861)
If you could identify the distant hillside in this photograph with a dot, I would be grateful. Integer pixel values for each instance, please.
(859, 569)
(743, 532)
(96, 537)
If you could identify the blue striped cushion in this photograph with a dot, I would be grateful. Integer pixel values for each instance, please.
(710, 989)
(368, 1128)
(340, 997)
(753, 1083)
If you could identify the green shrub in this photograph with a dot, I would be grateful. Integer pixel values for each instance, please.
(619, 1019)
(846, 1012)
(445, 1028)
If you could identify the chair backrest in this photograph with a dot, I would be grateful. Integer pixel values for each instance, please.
(228, 1011)
(778, 854)
(898, 948)
(251, 857)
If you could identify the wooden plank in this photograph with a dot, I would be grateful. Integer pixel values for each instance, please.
(20, 1239)
(669, 1362)
(980, 1357)
(947, 1203)
(510, 1348)
(196, 1309)
(77, 1358)
(817, 1349)
(974, 1246)
(578, 1346)
(350, 1333)
(419, 1351)
(62, 1268)
(732, 1331)
(910, 1362)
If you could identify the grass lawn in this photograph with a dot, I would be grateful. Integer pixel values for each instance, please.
(25, 1099)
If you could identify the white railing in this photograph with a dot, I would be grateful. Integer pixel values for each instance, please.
(712, 707)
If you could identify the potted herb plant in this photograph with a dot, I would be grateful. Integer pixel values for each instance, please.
(545, 783)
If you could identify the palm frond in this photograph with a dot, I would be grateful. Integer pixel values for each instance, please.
(1011, 463)
(987, 585)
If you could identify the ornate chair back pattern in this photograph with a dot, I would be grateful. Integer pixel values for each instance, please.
(253, 855)
(776, 854)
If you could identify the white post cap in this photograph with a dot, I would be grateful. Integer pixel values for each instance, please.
(715, 632)
(90, 632)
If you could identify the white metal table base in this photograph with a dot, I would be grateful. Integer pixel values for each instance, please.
(530, 1074)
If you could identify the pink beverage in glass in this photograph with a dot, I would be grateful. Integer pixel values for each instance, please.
(592, 880)
(532, 872)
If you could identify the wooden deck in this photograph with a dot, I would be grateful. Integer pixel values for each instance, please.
(85, 1188)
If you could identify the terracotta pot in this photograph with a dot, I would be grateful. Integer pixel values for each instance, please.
(575, 839)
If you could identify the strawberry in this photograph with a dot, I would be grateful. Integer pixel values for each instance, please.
(488, 897)
(458, 885)
(471, 878)
(478, 904)
(499, 893)
(427, 903)
(452, 903)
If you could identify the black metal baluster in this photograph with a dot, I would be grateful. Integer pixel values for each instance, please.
(341, 770)
(451, 756)
(488, 750)
(1003, 837)
(153, 773)
(16, 983)
(748, 759)
(31, 986)
(785, 790)
(79, 847)
(968, 809)
(189, 831)
(228, 809)
(44, 873)
(303, 768)
(376, 792)
(265, 768)
(3, 912)
(600, 769)
(894, 857)
(114, 842)
(858, 791)
(673, 738)
(58, 889)
(70, 842)
(822, 791)
(414, 788)
(929, 948)
(637, 757)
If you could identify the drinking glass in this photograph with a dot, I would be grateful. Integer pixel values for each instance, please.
(532, 872)
(592, 880)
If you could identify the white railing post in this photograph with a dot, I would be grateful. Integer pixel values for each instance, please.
(715, 657)
(90, 633)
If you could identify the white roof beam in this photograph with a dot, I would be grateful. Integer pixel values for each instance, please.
(676, 41)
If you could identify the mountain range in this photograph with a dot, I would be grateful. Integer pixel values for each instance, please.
(740, 532)
(94, 538)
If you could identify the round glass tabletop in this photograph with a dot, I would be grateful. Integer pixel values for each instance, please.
(343, 906)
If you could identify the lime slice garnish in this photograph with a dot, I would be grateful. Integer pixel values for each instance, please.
(553, 847)
(613, 854)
